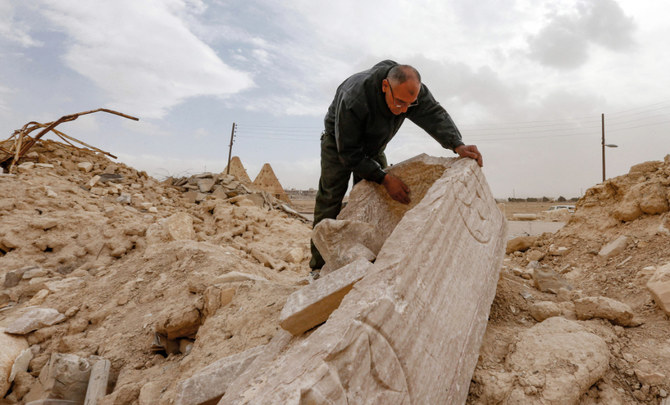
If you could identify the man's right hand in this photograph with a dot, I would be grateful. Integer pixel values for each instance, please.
(396, 188)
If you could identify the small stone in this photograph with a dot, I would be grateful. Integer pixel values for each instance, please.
(659, 286)
(605, 308)
(85, 166)
(94, 180)
(50, 192)
(547, 280)
(615, 247)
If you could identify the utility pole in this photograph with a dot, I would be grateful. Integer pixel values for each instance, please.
(602, 118)
(230, 148)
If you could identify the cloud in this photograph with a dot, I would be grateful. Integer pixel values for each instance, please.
(142, 54)
(565, 41)
(14, 31)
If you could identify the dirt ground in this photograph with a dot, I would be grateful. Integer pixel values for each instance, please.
(163, 286)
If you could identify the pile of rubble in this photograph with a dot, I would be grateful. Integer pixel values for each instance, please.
(581, 316)
(102, 264)
(120, 289)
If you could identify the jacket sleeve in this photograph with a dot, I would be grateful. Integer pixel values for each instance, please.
(349, 135)
(435, 120)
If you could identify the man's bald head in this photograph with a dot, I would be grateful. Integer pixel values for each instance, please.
(399, 74)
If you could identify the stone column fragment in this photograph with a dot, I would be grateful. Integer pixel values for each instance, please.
(409, 332)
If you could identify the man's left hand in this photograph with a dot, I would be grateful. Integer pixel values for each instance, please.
(471, 152)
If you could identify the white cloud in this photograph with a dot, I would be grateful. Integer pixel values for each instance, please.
(142, 53)
(12, 30)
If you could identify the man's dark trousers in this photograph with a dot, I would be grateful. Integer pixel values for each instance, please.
(332, 187)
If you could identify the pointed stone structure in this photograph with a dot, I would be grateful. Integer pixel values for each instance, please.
(238, 170)
(410, 330)
(267, 181)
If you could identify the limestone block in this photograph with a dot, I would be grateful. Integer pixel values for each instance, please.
(605, 308)
(342, 241)
(65, 376)
(97, 382)
(560, 358)
(369, 202)
(210, 383)
(313, 304)
(85, 166)
(520, 243)
(179, 321)
(615, 247)
(653, 200)
(180, 226)
(33, 318)
(12, 347)
(546, 309)
(205, 185)
(415, 321)
(659, 286)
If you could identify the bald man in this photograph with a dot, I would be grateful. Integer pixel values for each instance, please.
(368, 109)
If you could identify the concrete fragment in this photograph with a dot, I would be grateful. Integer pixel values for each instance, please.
(659, 286)
(615, 247)
(520, 243)
(33, 318)
(313, 304)
(369, 350)
(210, 383)
(12, 348)
(605, 308)
(560, 359)
(547, 280)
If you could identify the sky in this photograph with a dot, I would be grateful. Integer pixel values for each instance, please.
(527, 81)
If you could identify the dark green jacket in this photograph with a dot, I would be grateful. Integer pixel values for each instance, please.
(362, 123)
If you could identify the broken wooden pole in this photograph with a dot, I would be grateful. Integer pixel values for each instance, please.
(409, 332)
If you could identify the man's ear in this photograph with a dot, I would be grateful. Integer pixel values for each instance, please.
(385, 85)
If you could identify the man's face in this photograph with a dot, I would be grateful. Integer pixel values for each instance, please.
(400, 97)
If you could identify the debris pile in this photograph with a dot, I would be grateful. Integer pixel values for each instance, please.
(581, 316)
(139, 293)
(98, 260)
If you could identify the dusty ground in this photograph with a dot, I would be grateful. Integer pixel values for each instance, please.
(126, 261)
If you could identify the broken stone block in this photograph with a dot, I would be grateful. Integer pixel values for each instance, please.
(205, 185)
(313, 304)
(659, 286)
(547, 280)
(180, 226)
(13, 277)
(294, 255)
(535, 255)
(210, 383)
(415, 321)
(64, 377)
(614, 248)
(97, 381)
(648, 373)
(605, 308)
(546, 309)
(520, 244)
(340, 242)
(263, 258)
(85, 166)
(12, 347)
(558, 357)
(33, 318)
(178, 322)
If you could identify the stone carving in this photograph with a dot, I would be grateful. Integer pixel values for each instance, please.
(409, 331)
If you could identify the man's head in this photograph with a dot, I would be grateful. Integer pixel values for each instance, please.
(401, 88)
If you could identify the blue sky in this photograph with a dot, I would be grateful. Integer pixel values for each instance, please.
(524, 80)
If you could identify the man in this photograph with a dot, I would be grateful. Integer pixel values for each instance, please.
(368, 109)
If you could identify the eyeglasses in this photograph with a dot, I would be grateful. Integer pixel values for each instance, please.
(399, 103)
